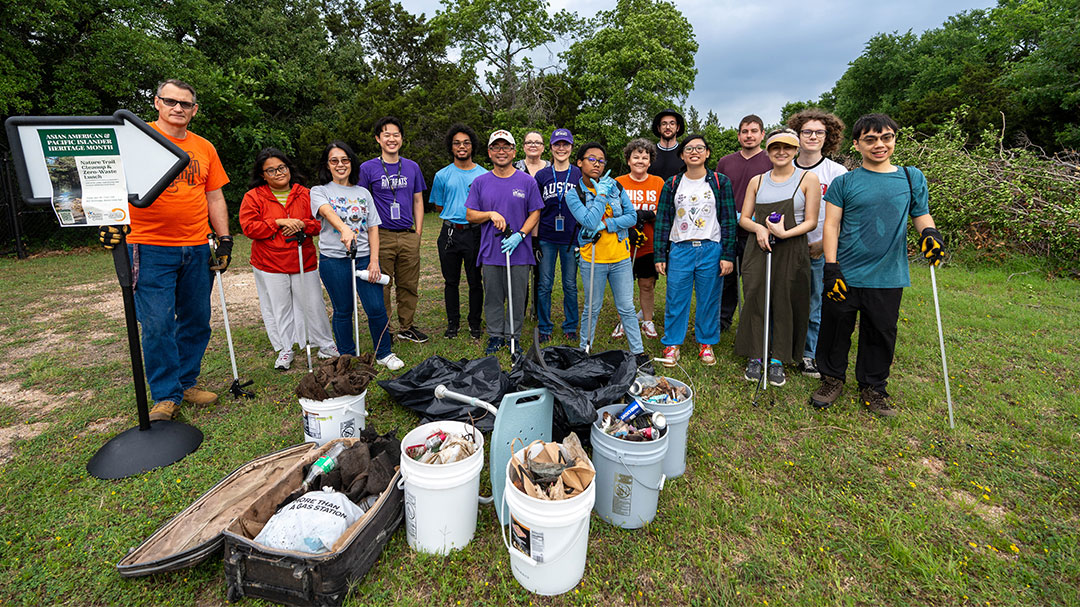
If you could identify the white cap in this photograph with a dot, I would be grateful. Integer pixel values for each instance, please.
(502, 134)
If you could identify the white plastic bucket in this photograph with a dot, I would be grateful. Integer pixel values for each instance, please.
(341, 417)
(550, 538)
(678, 420)
(629, 475)
(441, 499)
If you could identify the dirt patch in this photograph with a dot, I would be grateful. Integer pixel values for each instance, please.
(31, 400)
(995, 515)
(103, 424)
(44, 341)
(18, 432)
(933, 464)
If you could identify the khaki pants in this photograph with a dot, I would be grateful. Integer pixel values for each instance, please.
(399, 256)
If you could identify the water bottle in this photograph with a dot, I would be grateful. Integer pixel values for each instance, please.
(383, 279)
(324, 464)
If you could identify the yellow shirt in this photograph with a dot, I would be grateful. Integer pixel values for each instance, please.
(608, 248)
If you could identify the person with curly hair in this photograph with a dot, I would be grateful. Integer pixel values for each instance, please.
(644, 190)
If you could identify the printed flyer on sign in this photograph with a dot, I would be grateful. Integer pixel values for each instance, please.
(87, 176)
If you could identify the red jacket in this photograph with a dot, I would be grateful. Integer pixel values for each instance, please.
(269, 251)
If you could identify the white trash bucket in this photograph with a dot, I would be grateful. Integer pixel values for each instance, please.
(441, 499)
(629, 475)
(678, 420)
(341, 417)
(549, 538)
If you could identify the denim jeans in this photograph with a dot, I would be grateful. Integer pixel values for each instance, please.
(566, 257)
(817, 279)
(620, 275)
(335, 273)
(692, 269)
(172, 303)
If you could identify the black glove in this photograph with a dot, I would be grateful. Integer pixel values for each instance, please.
(835, 286)
(644, 217)
(637, 237)
(220, 257)
(110, 236)
(932, 246)
(537, 253)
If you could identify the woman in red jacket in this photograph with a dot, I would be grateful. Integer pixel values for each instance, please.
(275, 208)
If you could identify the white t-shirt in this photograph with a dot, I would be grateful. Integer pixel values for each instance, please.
(356, 208)
(695, 212)
(826, 170)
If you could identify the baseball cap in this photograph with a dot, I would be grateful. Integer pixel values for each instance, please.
(501, 134)
(562, 135)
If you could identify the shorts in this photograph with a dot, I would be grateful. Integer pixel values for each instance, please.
(645, 266)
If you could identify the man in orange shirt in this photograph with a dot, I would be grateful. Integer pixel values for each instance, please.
(171, 261)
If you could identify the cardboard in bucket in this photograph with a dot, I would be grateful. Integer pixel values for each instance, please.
(554, 472)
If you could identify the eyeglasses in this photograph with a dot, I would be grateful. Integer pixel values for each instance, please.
(534, 143)
(186, 105)
(461, 144)
(694, 148)
(501, 148)
(336, 161)
(812, 133)
(278, 170)
(873, 139)
(595, 160)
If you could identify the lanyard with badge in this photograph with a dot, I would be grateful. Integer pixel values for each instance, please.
(395, 207)
(560, 195)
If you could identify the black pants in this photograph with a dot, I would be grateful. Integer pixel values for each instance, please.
(729, 297)
(459, 247)
(878, 311)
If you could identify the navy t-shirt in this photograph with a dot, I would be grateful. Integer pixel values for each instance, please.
(553, 186)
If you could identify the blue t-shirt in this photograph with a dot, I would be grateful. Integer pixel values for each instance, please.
(872, 246)
(513, 197)
(390, 183)
(450, 188)
(553, 186)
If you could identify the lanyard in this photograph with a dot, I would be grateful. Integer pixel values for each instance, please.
(560, 195)
(390, 182)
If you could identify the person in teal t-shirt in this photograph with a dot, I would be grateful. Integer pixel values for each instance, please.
(866, 269)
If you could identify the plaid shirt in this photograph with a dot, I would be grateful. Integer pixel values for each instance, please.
(725, 213)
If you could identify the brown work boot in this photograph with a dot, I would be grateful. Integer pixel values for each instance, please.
(827, 392)
(164, 410)
(196, 396)
(876, 402)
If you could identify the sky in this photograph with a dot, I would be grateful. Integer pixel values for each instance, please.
(755, 56)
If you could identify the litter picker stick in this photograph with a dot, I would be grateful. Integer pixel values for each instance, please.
(941, 342)
(509, 294)
(355, 300)
(237, 388)
(443, 393)
(765, 320)
(298, 238)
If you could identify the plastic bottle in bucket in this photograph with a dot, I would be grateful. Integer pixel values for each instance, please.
(629, 474)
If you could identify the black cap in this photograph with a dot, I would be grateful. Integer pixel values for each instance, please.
(668, 112)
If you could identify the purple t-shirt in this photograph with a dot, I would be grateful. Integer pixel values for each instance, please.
(740, 171)
(513, 197)
(388, 182)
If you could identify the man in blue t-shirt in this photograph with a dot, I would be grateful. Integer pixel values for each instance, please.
(459, 240)
(866, 265)
(555, 237)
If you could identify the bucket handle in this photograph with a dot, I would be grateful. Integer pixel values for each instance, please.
(515, 553)
(663, 477)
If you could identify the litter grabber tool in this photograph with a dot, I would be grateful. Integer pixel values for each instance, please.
(298, 238)
(763, 383)
(355, 299)
(238, 388)
(592, 282)
(510, 294)
(941, 342)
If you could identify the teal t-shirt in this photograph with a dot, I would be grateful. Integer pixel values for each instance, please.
(872, 247)
(451, 188)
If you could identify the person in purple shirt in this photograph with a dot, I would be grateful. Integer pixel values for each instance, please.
(397, 185)
(506, 202)
(740, 167)
(555, 237)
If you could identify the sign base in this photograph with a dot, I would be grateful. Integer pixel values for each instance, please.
(135, 451)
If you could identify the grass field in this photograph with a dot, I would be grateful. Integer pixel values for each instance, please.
(780, 505)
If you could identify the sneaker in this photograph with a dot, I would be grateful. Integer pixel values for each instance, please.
(670, 356)
(618, 332)
(545, 337)
(284, 360)
(570, 336)
(706, 355)
(196, 396)
(390, 361)
(644, 364)
(330, 351)
(451, 332)
(876, 402)
(649, 329)
(476, 332)
(164, 411)
(827, 392)
(413, 334)
(775, 374)
(753, 370)
(494, 345)
(809, 367)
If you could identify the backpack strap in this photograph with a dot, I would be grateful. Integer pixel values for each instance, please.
(911, 190)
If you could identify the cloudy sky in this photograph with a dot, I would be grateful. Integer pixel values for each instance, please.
(755, 56)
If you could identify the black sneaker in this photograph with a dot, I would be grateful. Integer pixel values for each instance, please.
(808, 366)
(451, 332)
(476, 332)
(494, 345)
(753, 370)
(570, 336)
(827, 392)
(413, 334)
(545, 337)
(876, 402)
(776, 374)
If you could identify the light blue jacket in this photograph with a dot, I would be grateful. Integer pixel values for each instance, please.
(590, 214)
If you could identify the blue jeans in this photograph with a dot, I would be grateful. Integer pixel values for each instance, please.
(566, 256)
(817, 279)
(692, 269)
(335, 273)
(620, 275)
(172, 303)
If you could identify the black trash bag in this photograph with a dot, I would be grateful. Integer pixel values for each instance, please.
(481, 378)
(580, 383)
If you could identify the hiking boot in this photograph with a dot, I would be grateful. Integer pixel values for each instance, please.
(706, 355)
(451, 332)
(644, 364)
(545, 337)
(196, 396)
(330, 351)
(775, 374)
(808, 366)
(876, 402)
(753, 370)
(476, 332)
(670, 356)
(284, 360)
(413, 334)
(618, 332)
(164, 411)
(649, 329)
(827, 392)
(494, 345)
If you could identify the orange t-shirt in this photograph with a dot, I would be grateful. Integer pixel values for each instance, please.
(179, 217)
(645, 195)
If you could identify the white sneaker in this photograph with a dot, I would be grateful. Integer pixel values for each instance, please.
(284, 360)
(390, 361)
(649, 329)
(618, 332)
(330, 351)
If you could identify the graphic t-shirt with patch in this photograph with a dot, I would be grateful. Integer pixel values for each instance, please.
(513, 197)
(645, 195)
(390, 183)
(695, 212)
(353, 204)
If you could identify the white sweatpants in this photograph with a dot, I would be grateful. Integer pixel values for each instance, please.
(288, 303)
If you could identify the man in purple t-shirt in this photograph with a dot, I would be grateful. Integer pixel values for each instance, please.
(397, 185)
(507, 203)
(740, 167)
